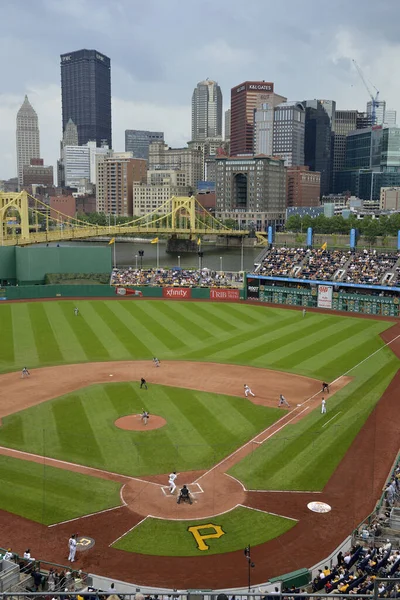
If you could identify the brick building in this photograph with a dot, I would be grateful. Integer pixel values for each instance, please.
(303, 187)
(36, 173)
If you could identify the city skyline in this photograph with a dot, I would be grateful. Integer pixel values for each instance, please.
(153, 90)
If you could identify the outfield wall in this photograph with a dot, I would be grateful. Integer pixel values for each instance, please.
(29, 265)
(32, 292)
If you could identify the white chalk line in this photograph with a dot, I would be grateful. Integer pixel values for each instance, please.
(285, 491)
(99, 512)
(78, 466)
(129, 530)
(334, 417)
(268, 512)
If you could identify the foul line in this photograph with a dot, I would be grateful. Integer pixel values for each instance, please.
(99, 512)
(267, 512)
(334, 417)
(129, 530)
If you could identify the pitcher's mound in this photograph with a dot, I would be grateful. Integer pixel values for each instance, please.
(135, 423)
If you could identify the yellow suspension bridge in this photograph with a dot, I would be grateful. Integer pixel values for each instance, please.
(26, 220)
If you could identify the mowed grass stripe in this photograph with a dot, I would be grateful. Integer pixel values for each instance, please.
(48, 495)
(236, 340)
(84, 441)
(214, 321)
(176, 313)
(252, 350)
(148, 345)
(6, 336)
(309, 349)
(25, 350)
(245, 315)
(68, 342)
(132, 344)
(160, 314)
(115, 348)
(87, 338)
(47, 346)
(336, 344)
(157, 329)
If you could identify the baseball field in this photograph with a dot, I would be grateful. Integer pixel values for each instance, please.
(76, 456)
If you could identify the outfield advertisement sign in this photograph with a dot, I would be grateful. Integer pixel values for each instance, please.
(177, 293)
(324, 296)
(121, 291)
(224, 295)
(253, 288)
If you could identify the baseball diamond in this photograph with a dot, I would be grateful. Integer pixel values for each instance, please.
(75, 452)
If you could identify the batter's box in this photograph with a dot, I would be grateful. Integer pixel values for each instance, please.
(194, 489)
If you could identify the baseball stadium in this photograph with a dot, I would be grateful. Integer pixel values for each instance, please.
(194, 431)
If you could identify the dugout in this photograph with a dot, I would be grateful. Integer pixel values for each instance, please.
(30, 265)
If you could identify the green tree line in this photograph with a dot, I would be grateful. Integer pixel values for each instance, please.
(383, 226)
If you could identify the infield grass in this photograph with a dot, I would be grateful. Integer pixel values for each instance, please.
(49, 495)
(241, 526)
(201, 428)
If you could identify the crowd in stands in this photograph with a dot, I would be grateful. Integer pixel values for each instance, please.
(365, 267)
(174, 277)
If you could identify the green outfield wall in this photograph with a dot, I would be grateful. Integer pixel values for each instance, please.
(30, 265)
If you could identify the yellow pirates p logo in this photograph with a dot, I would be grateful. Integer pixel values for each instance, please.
(200, 537)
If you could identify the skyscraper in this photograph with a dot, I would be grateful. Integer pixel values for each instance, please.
(138, 142)
(318, 144)
(289, 130)
(245, 99)
(206, 111)
(28, 142)
(228, 125)
(70, 137)
(86, 95)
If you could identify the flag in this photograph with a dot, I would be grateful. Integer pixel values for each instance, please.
(112, 241)
(324, 246)
(155, 241)
(199, 241)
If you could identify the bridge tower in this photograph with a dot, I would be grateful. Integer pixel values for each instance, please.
(18, 202)
(180, 205)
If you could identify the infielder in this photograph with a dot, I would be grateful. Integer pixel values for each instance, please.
(283, 401)
(72, 548)
(25, 373)
(156, 362)
(325, 387)
(323, 406)
(171, 482)
(247, 391)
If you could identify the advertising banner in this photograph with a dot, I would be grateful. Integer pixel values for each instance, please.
(253, 288)
(218, 294)
(121, 291)
(324, 296)
(177, 293)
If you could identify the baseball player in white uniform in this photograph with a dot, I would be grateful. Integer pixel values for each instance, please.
(72, 548)
(323, 406)
(283, 401)
(25, 373)
(247, 390)
(171, 482)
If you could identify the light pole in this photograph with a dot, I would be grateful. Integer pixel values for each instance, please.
(179, 261)
(241, 256)
(250, 566)
(200, 254)
(136, 257)
(141, 252)
(220, 263)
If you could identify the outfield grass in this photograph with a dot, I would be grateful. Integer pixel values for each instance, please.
(201, 428)
(241, 526)
(303, 456)
(48, 495)
(48, 333)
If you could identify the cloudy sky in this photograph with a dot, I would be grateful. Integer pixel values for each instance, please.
(160, 49)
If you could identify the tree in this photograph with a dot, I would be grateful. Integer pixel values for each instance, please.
(371, 232)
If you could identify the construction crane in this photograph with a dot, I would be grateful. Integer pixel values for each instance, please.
(375, 99)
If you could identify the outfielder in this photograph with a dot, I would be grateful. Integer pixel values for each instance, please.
(283, 401)
(76, 311)
(171, 482)
(247, 391)
(304, 312)
(72, 548)
(323, 406)
(25, 373)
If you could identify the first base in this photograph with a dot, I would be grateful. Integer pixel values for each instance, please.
(297, 405)
(111, 375)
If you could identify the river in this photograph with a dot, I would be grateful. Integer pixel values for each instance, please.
(214, 258)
